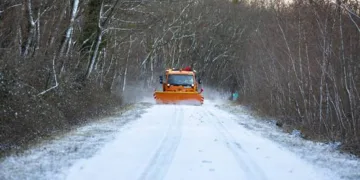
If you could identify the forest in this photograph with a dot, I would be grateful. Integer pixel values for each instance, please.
(63, 62)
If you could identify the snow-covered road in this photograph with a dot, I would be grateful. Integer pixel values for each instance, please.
(191, 142)
(169, 142)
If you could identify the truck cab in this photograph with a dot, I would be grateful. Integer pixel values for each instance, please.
(180, 80)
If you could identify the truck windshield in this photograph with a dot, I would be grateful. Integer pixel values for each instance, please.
(180, 79)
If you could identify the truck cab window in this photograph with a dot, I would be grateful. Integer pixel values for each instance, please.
(180, 79)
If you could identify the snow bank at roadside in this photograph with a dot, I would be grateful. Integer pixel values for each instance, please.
(50, 159)
(320, 154)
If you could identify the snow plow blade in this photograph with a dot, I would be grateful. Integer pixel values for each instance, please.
(179, 98)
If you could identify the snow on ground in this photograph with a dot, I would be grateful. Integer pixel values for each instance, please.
(324, 155)
(50, 159)
(181, 142)
(192, 142)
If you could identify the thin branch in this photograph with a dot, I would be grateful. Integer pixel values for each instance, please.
(55, 78)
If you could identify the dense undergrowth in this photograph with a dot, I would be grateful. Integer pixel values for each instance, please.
(28, 116)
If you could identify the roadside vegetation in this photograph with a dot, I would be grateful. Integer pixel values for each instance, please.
(63, 62)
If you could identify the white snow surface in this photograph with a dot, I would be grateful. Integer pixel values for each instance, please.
(176, 142)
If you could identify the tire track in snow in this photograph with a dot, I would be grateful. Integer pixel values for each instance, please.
(159, 164)
(250, 168)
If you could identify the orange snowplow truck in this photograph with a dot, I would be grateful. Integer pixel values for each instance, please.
(180, 86)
